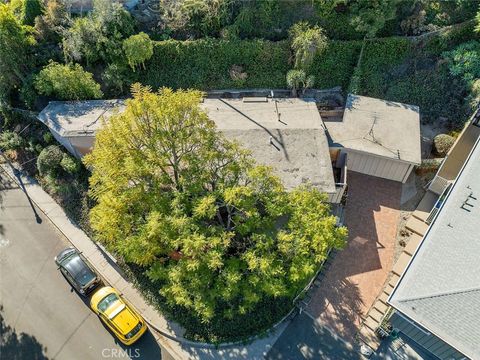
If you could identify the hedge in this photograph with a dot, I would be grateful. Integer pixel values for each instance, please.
(205, 64)
(336, 65)
(379, 62)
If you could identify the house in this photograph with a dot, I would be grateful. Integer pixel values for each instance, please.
(437, 298)
(381, 138)
(289, 134)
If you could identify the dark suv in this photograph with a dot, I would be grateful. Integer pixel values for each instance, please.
(77, 270)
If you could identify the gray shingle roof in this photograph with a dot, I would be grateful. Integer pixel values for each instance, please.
(440, 289)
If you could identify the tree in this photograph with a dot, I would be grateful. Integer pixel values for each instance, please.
(138, 49)
(196, 17)
(298, 80)
(67, 82)
(54, 20)
(98, 36)
(477, 18)
(192, 208)
(369, 16)
(15, 41)
(30, 10)
(306, 43)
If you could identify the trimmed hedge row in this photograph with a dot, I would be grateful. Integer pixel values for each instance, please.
(336, 65)
(206, 64)
(380, 57)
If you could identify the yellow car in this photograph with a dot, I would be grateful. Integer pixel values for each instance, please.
(118, 315)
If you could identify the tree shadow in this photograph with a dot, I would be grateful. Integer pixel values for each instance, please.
(356, 274)
(19, 346)
(306, 338)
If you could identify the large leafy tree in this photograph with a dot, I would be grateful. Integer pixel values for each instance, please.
(15, 41)
(174, 196)
(369, 16)
(98, 36)
(67, 82)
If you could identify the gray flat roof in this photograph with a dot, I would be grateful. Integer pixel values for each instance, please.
(78, 118)
(379, 127)
(286, 134)
(295, 146)
(440, 289)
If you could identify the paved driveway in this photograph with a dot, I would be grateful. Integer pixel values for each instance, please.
(358, 272)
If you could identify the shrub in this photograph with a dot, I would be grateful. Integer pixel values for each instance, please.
(67, 82)
(49, 160)
(69, 164)
(298, 80)
(48, 138)
(10, 140)
(464, 61)
(442, 144)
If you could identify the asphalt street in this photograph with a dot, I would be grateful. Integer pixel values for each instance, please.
(42, 317)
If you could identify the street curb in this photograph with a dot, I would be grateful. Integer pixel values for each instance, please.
(12, 172)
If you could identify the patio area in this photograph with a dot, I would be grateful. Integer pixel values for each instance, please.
(358, 273)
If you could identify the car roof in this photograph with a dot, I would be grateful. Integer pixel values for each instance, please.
(76, 266)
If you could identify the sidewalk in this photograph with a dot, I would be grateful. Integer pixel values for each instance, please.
(101, 260)
(168, 334)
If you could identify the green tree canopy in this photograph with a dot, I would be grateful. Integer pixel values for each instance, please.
(15, 40)
(306, 42)
(67, 82)
(98, 36)
(138, 49)
(197, 17)
(369, 16)
(30, 10)
(174, 196)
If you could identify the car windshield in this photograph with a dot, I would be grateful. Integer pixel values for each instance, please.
(107, 301)
(79, 270)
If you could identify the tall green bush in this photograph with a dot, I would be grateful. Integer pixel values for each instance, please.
(67, 82)
(49, 160)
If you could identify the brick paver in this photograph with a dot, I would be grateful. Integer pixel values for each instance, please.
(359, 271)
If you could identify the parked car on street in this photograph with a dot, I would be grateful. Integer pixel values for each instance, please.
(78, 271)
(127, 325)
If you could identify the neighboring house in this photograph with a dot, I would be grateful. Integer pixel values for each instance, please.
(437, 299)
(285, 133)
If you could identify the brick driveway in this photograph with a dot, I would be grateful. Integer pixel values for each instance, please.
(358, 272)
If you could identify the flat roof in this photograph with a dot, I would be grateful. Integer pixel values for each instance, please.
(78, 118)
(440, 288)
(379, 127)
(286, 134)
